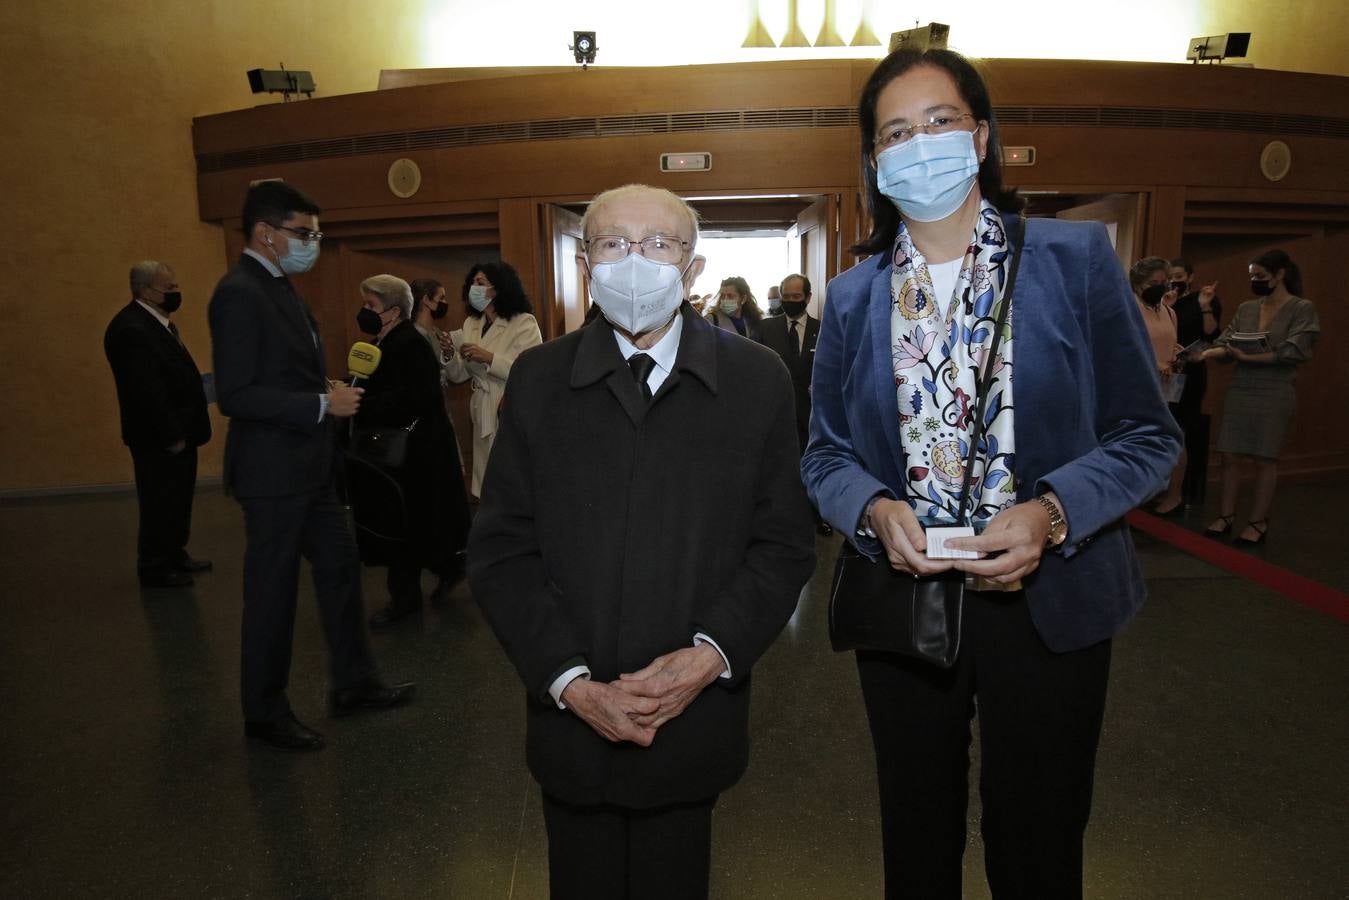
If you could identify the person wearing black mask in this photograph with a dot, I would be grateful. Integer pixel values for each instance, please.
(1261, 400)
(164, 421)
(791, 336)
(429, 308)
(1197, 313)
(405, 392)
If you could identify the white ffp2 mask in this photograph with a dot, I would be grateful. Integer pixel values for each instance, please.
(636, 294)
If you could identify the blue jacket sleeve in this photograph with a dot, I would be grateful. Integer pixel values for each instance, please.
(1139, 441)
(831, 467)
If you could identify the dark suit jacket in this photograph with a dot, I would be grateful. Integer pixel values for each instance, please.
(773, 334)
(269, 373)
(612, 531)
(1090, 423)
(158, 386)
(403, 389)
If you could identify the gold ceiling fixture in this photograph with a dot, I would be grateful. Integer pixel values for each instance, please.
(795, 36)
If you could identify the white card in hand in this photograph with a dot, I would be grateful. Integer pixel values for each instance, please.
(936, 543)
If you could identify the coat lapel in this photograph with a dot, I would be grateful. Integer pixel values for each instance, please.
(881, 372)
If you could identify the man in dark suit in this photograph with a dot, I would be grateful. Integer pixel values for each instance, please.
(643, 537)
(164, 421)
(792, 336)
(281, 462)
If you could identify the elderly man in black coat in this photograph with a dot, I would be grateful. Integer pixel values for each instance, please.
(164, 421)
(642, 539)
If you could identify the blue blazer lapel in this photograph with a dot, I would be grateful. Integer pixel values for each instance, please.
(880, 369)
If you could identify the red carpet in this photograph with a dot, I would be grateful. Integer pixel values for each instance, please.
(1309, 593)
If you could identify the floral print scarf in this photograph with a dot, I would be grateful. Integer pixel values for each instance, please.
(938, 361)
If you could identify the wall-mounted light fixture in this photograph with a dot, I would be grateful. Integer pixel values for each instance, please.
(1219, 47)
(583, 47)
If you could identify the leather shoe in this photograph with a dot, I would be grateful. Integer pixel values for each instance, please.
(165, 578)
(369, 694)
(286, 734)
(191, 566)
(392, 613)
(824, 529)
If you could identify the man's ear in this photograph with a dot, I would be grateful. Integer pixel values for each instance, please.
(692, 272)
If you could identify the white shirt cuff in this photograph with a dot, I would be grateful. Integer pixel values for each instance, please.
(323, 406)
(701, 638)
(566, 678)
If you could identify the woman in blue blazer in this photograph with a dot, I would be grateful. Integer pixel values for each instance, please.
(1076, 433)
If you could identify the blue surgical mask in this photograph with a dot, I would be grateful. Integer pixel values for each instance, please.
(730, 307)
(477, 297)
(300, 256)
(929, 175)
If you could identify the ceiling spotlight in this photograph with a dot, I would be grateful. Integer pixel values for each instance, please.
(281, 81)
(583, 47)
(1219, 47)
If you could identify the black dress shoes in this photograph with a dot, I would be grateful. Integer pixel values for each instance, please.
(164, 578)
(369, 694)
(392, 613)
(824, 529)
(192, 566)
(286, 734)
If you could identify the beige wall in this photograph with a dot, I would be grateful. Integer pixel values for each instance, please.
(97, 169)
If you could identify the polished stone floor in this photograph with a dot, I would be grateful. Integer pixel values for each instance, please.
(124, 771)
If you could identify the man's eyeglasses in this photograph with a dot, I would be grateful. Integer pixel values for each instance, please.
(661, 248)
(939, 124)
(304, 234)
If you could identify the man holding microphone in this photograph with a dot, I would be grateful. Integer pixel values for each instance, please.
(281, 462)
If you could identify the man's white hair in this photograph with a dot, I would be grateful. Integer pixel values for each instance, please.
(143, 275)
(391, 290)
(628, 189)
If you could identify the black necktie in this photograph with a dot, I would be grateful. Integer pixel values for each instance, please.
(641, 366)
(794, 343)
(173, 330)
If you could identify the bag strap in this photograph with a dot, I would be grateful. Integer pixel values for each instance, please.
(1018, 241)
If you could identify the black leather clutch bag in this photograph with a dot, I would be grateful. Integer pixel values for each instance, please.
(873, 607)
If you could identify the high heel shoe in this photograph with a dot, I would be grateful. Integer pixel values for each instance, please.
(1261, 527)
(1219, 533)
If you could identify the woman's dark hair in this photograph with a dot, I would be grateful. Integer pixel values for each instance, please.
(1145, 268)
(510, 298)
(749, 309)
(1274, 260)
(424, 288)
(1178, 262)
(970, 85)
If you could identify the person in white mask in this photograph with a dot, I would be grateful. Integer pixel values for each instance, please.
(642, 539)
(735, 309)
(498, 328)
(914, 356)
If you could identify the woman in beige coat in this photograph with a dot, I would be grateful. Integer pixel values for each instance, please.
(499, 328)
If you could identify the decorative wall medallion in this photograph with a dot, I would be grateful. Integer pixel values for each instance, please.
(405, 178)
(1275, 160)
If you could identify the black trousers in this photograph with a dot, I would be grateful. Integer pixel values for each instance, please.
(612, 853)
(164, 485)
(1039, 725)
(279, 531)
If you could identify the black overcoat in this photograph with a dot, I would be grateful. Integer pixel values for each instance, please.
(403, 389)
(773, 335)
(611, 532)
(159, 387)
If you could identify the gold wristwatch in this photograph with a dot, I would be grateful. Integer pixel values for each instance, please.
(1058, 526)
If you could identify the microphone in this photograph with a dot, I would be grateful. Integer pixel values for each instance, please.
(362, 361)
